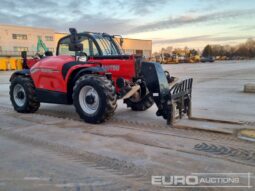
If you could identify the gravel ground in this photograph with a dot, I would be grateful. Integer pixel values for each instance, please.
(53, 150)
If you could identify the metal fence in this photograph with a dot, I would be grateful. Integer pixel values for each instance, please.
(15, 53)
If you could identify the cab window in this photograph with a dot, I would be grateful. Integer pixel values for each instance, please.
(89, 47)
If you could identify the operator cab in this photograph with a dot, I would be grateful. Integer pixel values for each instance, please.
(95, 45)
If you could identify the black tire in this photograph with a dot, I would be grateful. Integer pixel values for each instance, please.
(107, 97)
(143, 104)
(31, 104)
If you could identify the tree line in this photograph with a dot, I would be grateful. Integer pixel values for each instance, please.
(244, 50)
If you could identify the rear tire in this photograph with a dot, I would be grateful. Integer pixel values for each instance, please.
(22, 95)
(94, 98)
(141, 105)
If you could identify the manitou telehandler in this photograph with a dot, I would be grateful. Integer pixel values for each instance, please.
(91, 72)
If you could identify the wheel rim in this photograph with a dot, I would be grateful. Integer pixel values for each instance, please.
(19, 95)
(89, 100)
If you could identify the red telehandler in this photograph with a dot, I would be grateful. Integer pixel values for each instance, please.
(91, 72)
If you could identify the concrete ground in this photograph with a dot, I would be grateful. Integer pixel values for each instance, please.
(53, 150)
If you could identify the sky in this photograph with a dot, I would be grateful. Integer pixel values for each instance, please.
(176, 23)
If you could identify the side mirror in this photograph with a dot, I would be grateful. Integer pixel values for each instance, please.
(74, 35)
(75, 44)
(75, 47)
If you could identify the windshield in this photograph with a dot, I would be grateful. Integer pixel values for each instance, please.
(107, 45)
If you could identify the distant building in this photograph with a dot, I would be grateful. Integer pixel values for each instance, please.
(14, 39)
(137, 46)
(58, 36)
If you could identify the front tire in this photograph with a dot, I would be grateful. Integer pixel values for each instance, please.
(94, 98)
(22, 95)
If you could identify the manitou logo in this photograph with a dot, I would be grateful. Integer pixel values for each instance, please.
(174, 180)
(111, 67)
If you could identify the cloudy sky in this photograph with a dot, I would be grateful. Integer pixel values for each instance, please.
(177, 23)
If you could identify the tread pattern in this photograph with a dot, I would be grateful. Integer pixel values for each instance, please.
(145, 103)
(32, 104)
(109, 91)
(233, 153)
